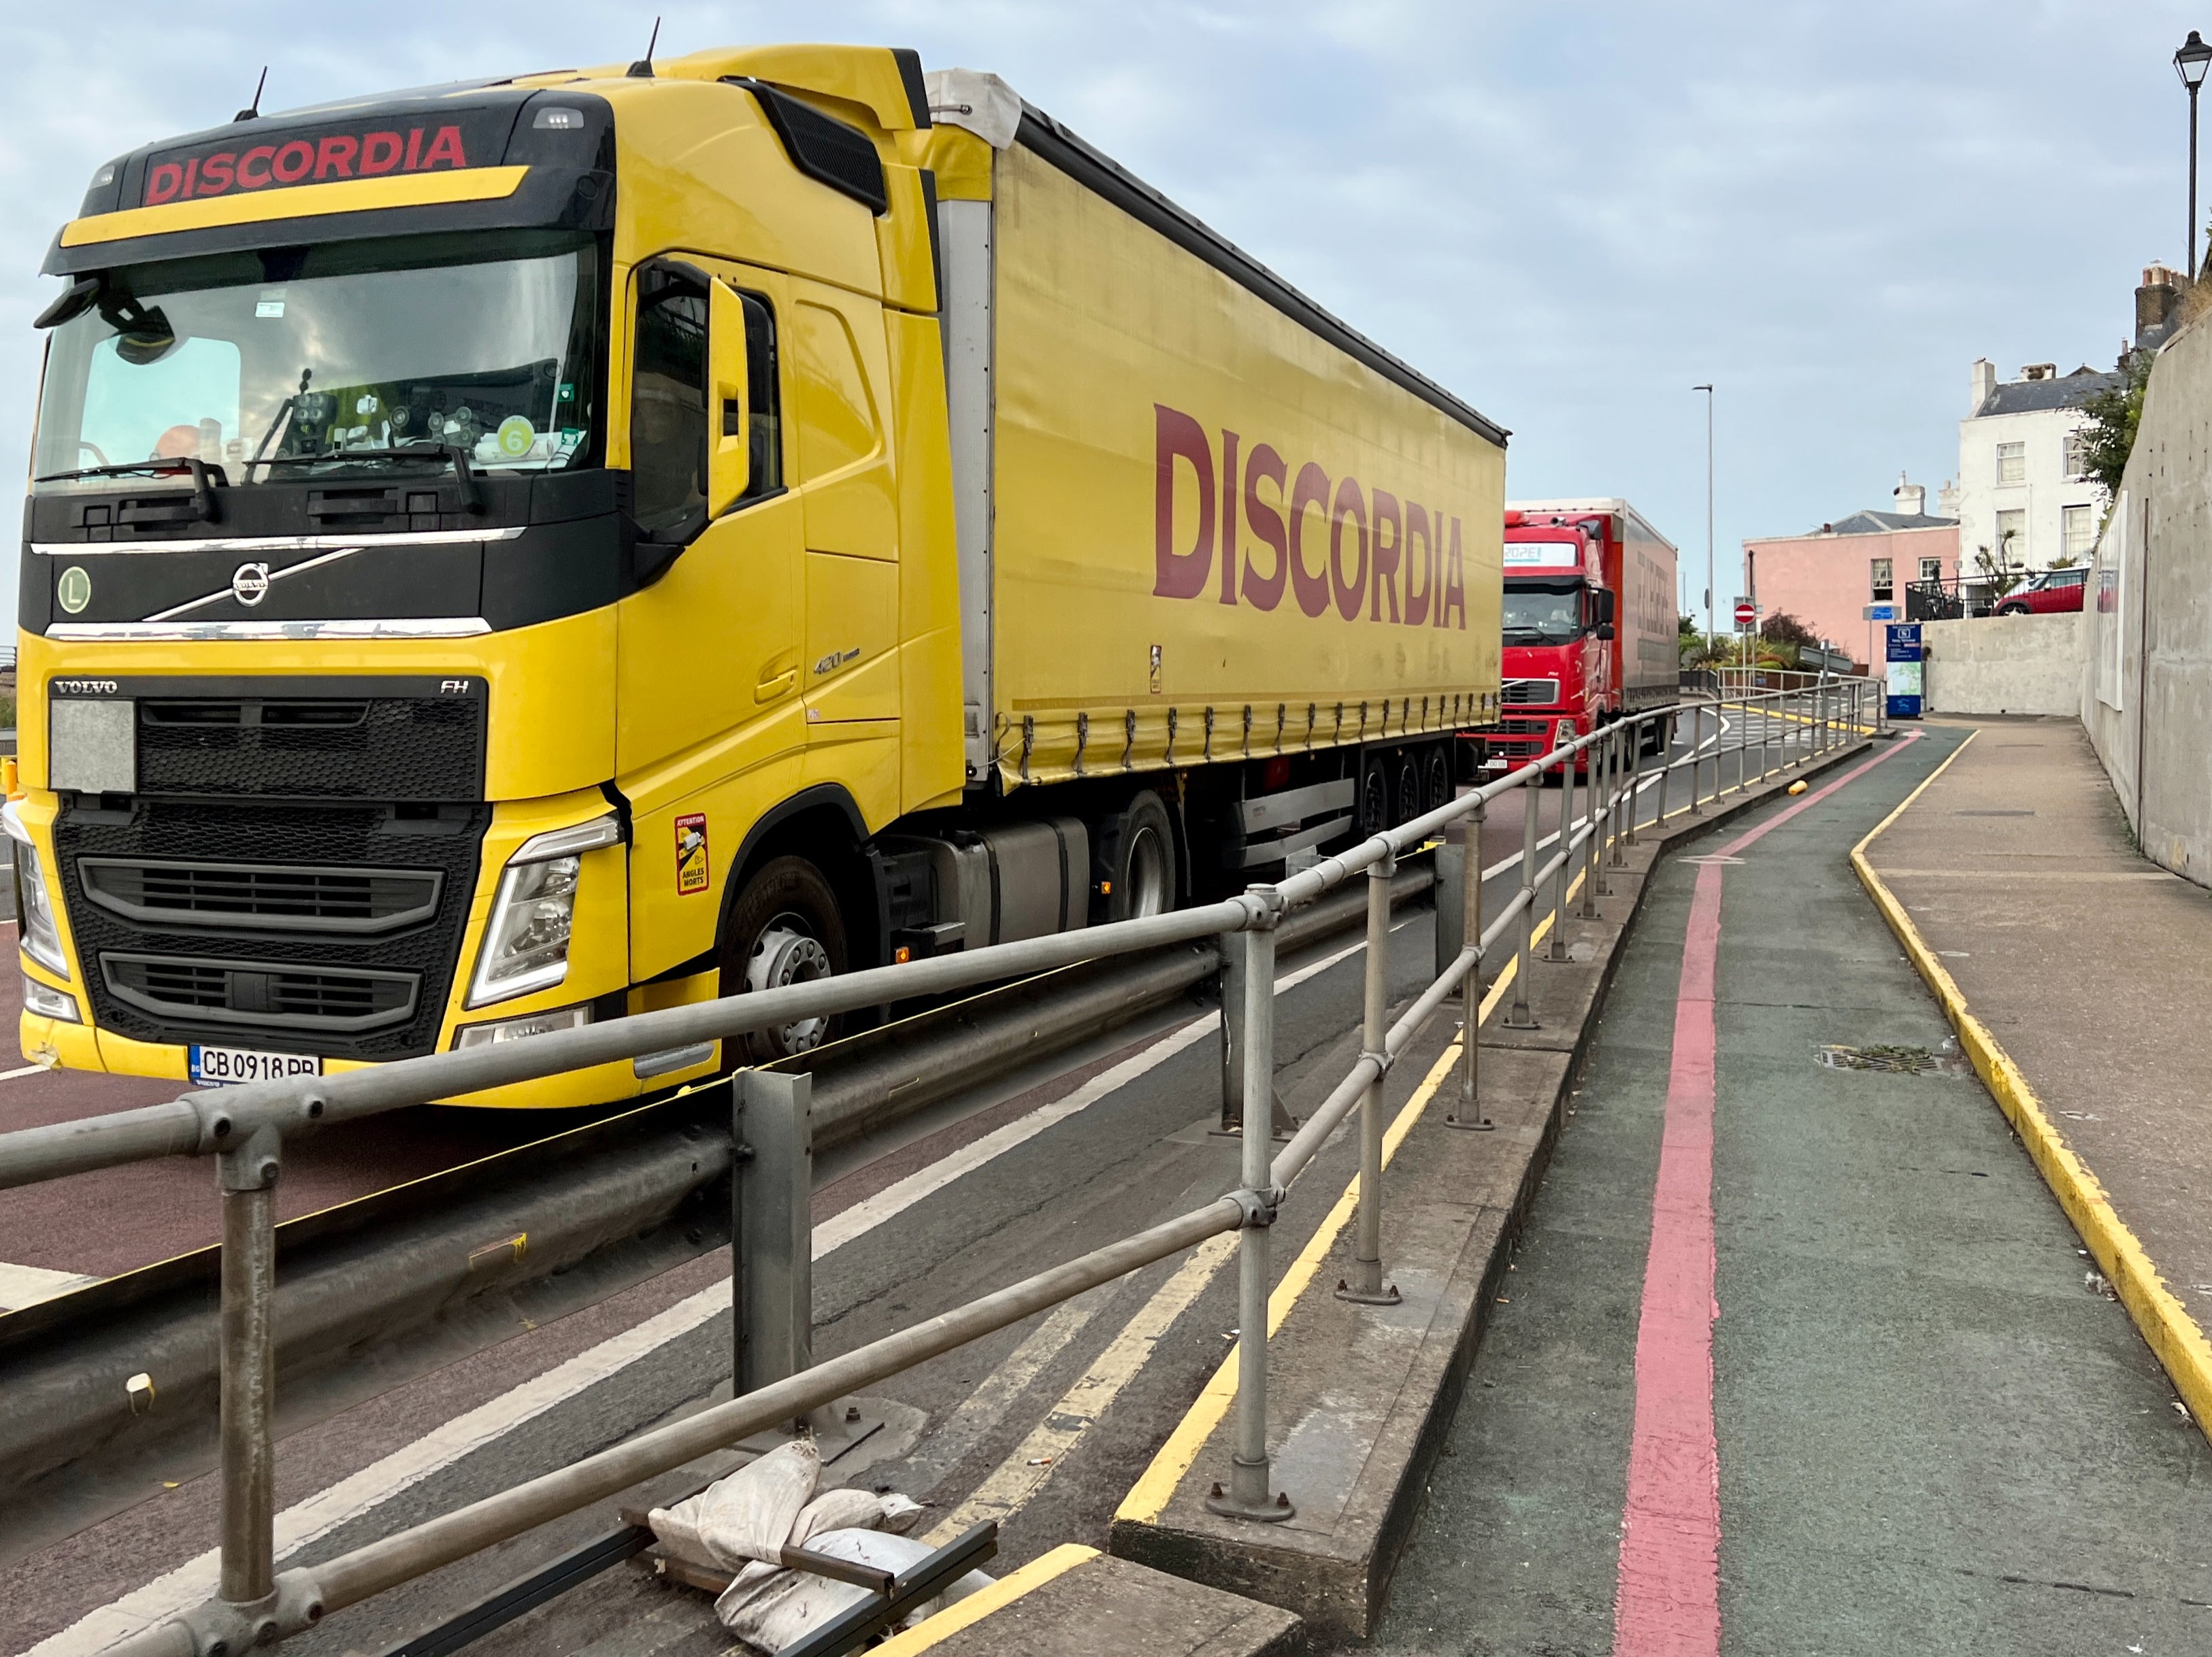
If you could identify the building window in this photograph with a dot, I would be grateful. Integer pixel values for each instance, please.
(1931, 569)
(1881, 585)
(2012, 536)
(2080, 524)
(2012, 463)
(2077, 454)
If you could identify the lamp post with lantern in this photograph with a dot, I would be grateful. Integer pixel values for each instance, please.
(2190, 62)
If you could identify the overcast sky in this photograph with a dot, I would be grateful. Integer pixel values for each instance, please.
(1568, 214)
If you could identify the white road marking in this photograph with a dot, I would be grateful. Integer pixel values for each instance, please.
(27, 1069)
(318, 1515)
(27, 1285)
(1021, 1475)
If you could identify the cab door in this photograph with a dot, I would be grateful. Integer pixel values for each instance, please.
(710, 670)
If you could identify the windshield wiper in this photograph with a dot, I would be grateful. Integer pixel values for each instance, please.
(202, 493)
(458, 457)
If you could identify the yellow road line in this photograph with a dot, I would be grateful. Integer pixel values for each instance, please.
(2167, 1326)
(978, 1605)
(1148, 1497)
(1016, 1479)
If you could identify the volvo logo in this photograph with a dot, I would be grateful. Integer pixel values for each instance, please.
(249, 584)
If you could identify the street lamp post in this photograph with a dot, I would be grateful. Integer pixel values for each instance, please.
(2190, 62)
(1710, 630)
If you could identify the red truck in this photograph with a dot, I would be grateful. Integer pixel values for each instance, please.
(1589, 624)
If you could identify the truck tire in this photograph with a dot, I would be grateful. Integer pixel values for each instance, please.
(1136, 860)
(1435, 779)
(1405, 787)
(1374, 802)
(785, 928)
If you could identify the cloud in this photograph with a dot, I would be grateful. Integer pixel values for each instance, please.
(1567, 213)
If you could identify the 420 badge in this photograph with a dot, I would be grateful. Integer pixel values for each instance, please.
(692, 871)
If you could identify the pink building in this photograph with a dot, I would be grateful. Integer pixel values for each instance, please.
(1828, 578)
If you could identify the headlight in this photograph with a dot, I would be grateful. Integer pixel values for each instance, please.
(48, 1002)
(526, 945)
(41, 935)
(1565, 733)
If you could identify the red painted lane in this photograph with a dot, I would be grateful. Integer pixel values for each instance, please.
(1667, 1594)
(1667, 1600)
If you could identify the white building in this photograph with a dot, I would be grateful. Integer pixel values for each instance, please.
(2024, 500)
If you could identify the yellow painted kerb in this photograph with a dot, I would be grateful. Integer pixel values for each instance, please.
(476, 184)
(978, 1605)
(2173, 1334)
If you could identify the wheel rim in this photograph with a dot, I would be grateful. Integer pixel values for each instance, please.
(1144, 880)
(787, 952)
(1409, 793)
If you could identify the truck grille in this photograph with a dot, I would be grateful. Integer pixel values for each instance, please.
(1529, 693)
(261, 896)
(264, 994)
(373, 747)
(332, 928)
(1525, 727)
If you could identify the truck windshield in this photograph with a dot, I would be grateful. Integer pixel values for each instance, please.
(312, 362)
(1542, 612)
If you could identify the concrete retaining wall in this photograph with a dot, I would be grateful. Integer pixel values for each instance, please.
(2005, 664)
(2146, 695)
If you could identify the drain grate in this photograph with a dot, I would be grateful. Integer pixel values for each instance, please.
(1899, 1060)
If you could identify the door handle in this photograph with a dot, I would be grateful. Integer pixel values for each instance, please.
(768, 690)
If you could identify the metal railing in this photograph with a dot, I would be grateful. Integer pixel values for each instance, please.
(245, 1129)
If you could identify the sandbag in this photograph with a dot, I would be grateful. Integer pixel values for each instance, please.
(747, 1516)
(841, 1509)
(768, 1612)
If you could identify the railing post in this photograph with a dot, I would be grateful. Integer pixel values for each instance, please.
(247, 1176)
(1557, 949)
(1697, 747)
(1470, 1114)
(772, 1277)
(1635, 779)
(1601, 824)
(1248, 1495)
(1624, 790)
(1590, 756)
(1366, 1286)
(1666, 737)
(1532, 800)
(1232, 1031)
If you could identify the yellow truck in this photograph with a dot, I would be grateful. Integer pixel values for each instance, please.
(507, 555)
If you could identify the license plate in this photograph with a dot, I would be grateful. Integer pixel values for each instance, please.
(223, 1067)
(1495, 765)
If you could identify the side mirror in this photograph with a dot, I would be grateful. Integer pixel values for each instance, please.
(1605, 629)
(729, 467)
(1605, 615)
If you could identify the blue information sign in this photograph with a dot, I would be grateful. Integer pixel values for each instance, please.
(1905, 670)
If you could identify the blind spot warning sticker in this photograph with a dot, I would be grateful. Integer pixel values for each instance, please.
(691, 867)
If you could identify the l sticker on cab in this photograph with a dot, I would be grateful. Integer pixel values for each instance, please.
(691, 868)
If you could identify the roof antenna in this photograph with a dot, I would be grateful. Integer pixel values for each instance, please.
(643, 67)
(252, 111)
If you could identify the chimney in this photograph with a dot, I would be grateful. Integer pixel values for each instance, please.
(1946, 499)
(1911, 499)
(2039, 371)
(2155, 305)
(1985, 383)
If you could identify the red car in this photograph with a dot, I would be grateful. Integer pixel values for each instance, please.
(2048, 594)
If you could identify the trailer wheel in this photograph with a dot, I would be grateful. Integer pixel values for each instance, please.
(1405, 788)
(1136, 860)
(785, 928)
(1435, 779)
(1374, 796)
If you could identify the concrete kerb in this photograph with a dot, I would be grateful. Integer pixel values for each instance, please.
(1337, 1583)
(1077, 1602)
(2172, 1334)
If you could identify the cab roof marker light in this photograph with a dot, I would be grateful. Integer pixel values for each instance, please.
(558, 120)
(568, 842)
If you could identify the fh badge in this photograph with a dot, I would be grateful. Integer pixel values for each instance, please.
(691, 868)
